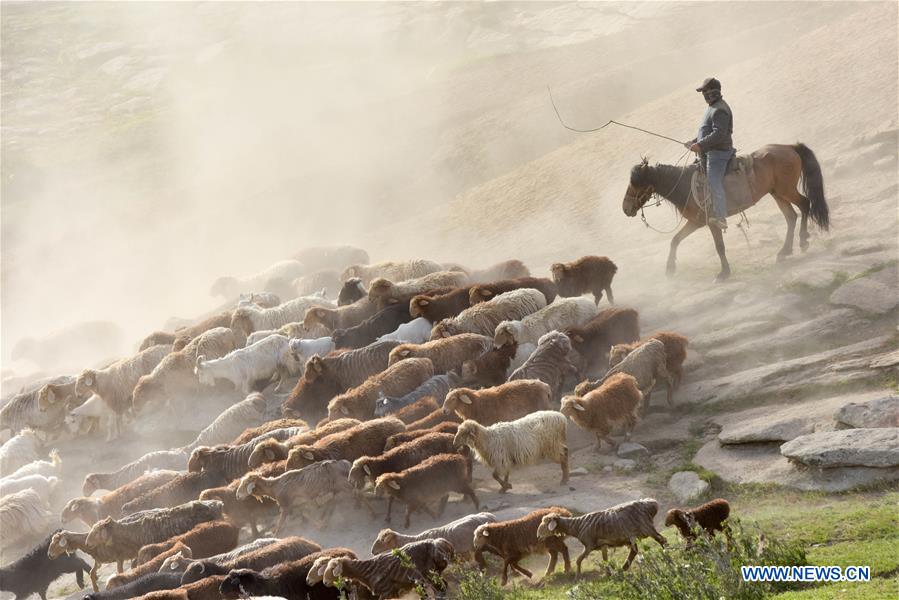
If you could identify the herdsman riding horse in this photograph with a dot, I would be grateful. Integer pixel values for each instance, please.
(776, 169)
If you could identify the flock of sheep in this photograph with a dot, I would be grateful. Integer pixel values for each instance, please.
(392, 391)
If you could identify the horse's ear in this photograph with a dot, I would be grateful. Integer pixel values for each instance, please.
(644, 161)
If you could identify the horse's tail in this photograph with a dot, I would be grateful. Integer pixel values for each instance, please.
(813, 186)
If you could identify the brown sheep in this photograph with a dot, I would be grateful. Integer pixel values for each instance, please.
(507, 269)
(616, 402)
(487, 291)
(417, 410)
(447, 354)
(515, 539)
(490, 368)
(437, 308)
(151, 566)
(248, 511)
(435, 419)
(588, 274)
(381, 289)
(675, 352)
(397, 380)
(183, 488)
(272, 450)
(221, 319)
(91, 510)
(710, 516)
(593, 339)
(329, 376)
(206, 539)
(505, 402)
(343, 317)
(432, 479)
(365, 439)
(205, 589)
(413, 434)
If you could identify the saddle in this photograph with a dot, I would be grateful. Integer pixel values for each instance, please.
(737, 186)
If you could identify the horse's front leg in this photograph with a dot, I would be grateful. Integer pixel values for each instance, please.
(718, 236)
(686, 230)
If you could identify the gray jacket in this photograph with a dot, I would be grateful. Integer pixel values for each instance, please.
(717, 128)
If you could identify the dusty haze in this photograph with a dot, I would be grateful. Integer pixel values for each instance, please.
(149, 148)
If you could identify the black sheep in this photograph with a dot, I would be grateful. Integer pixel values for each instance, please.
(34, 572)
(366, 332)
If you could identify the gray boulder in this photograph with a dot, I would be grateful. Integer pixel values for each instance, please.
(875, 293)
(760, 431)
(847, 448)
(881, 412)
(687, 486)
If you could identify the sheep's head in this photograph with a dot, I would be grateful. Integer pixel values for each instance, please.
(242, 582)
(549, 526)
(317, 570)
(101, 533)
(147, 390)
(617, 354)
(467, 433)
(334, 570)
(267, 451)
(86, 383)
(387, 485)
(445, 550)
(79, 508)
(248, 486)
(315, 317)
(444, 329)
(48, 396)
(315, 368)
(241, 321)
(559, 271)
(359, 472)
(351, 272)
(456, 400)
(469, 370)
(585, 387)
(301, 456)
(198, 458)
(341, 407)
(399, 353)
(479, 294)
(91, 484)
(481, 537)
(60, 544)
(506, 333)
(680, 518)
(177, 562)
(571, 405)
(386, 540)
(203, 373)
(379, 288)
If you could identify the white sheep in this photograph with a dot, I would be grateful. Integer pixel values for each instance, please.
(24, 516)
(525, 441)
(229, 287)
(40, 484)
(247, 413)
(248, 319)
(245, 366)
(416, 331)
(45, 468)
(304, 349)
(115, 383)
(260, 299)
(484, 317)
(382, 288)
(561, 314)
(20, 450)
(394, 271)
(93, 413)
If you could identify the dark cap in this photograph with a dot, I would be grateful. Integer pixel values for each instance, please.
(710, 83)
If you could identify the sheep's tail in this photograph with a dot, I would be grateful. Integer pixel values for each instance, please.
(54, 457)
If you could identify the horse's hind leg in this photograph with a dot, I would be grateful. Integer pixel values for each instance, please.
(718, 236)
(790, 216)
(803, 226)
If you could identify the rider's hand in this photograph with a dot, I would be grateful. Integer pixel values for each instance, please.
(696, 148)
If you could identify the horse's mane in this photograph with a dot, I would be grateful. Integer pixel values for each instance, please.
(670, 181)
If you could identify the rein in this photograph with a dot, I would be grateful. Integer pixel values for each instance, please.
(659, 197)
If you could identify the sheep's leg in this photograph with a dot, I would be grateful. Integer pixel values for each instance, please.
(564, 464)
(469, 493)
(253, 528)
(282, 517)
(505, 578)
(521, 569)
(79, 578)
(442, 505)
(408, 516)
(630, 556)
(43, 594)
(659, 538)
(93, 575)
(553, 557)
(479, 559)
(503, 485)
(580, 559)
(120, 565)
(389, 509)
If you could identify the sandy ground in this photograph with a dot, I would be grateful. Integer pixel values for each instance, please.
(506, 180)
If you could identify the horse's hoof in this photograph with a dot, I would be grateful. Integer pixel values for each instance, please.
(669, 271)
(722, 277)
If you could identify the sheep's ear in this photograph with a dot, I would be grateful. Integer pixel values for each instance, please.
(578, 406)
(445, 333)
(89, 379)
(308, 456)
(344, 410)
(485, 533)
(486, 293)
(367, 470)
(424, 302)
(393, 484)
(202, 567)
(465, 398)
(63, 542)
(551, 525)
(405, 352)
(338, 567)
(578, 339)
(251, 486)
(316, 363)
(51, 396)
(269, 454)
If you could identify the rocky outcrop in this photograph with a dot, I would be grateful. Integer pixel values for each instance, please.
(881, 412)
(877, 448)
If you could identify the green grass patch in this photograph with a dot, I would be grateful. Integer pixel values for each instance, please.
(876, 589)
(882, 555)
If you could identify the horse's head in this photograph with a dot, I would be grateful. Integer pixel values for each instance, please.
(640, 189)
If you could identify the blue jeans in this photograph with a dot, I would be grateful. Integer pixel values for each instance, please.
(715, 168)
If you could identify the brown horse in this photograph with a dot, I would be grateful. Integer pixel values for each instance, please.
(777, 170)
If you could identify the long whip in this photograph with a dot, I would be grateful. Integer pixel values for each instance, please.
(610, 122)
